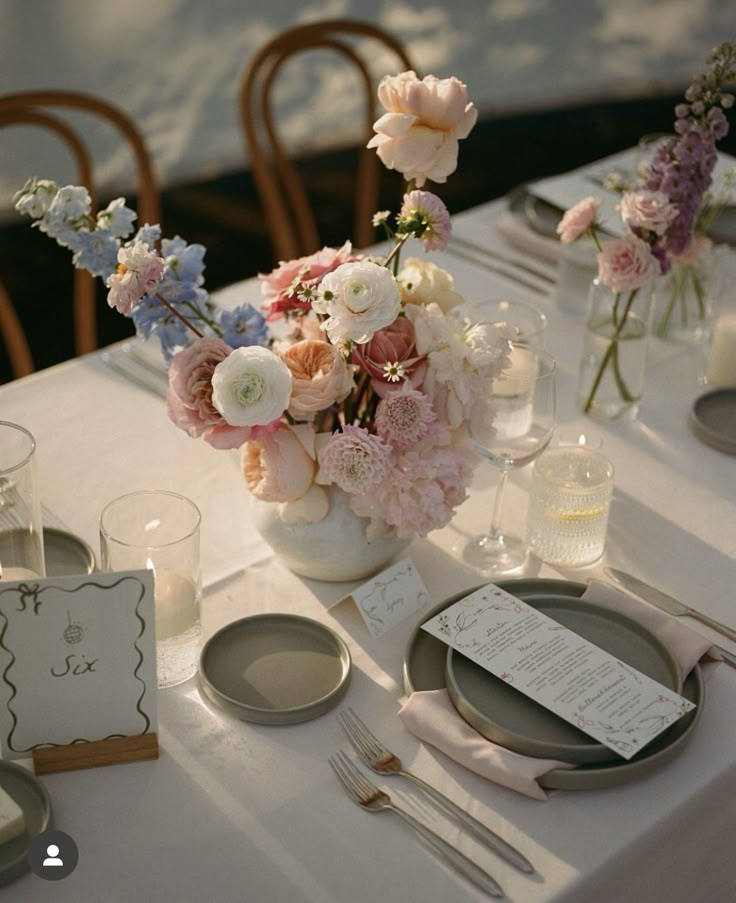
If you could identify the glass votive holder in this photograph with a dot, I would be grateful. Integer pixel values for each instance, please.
(528, 324)
(21, 528)
(159, 530)
(569, 504)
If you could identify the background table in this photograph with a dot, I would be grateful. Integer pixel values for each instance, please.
(234, 811)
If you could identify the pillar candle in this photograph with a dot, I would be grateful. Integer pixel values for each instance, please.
(722, 360)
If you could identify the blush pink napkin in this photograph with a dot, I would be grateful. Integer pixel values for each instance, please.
(521, 236)
(431, 716)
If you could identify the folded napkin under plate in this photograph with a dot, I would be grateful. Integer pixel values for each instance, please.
(431, 716)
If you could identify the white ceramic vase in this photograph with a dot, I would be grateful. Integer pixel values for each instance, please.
(334, 549)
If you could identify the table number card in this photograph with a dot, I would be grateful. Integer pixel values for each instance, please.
(390, 597)
(604, 697)
(77, 660)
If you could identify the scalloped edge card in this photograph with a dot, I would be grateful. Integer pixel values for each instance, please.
(77, 660)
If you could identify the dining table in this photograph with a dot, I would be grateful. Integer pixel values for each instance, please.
(234, 810)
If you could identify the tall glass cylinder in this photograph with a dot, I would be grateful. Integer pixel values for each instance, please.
(614, 352)
(684, 298)
(21, 529)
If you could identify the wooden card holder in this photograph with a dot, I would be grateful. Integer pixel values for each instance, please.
(95, 754)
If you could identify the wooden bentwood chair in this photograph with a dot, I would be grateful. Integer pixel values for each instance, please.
(290, 218)
(32, 108)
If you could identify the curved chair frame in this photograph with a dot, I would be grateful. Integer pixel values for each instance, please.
(290, 219)
(30, 108)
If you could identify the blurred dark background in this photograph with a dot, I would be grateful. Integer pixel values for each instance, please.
(224, 214)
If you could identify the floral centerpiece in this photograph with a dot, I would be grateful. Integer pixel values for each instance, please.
(358, 375)
(661, 220)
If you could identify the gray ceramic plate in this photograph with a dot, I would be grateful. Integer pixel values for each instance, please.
(275, 668)
(64, 552)
(424, 669)
(542, 216)
(511, 719)
(713, 419)
(30, 794)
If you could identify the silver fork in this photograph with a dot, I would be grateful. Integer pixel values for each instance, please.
(381, 760)
(366, 795)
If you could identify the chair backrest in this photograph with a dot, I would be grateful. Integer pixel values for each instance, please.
(290, 218)
(32, 108)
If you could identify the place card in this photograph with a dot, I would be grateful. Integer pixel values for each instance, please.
(577, 680)
(390, 597)
(77, 661)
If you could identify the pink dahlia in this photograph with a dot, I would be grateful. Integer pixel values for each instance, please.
(355, 459)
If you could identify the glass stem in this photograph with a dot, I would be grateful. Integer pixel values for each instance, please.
(495, 531)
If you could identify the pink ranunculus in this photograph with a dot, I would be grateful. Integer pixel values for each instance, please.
(650, 210)
(393, 345)
(424, 119)
(626, 264)
(278, 286)
(189, 399)
(319, 377)
(277, 467)
(578, 219)
(139, 273)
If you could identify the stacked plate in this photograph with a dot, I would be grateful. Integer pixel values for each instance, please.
(513, 720)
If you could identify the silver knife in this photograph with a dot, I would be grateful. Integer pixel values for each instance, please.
(672, 606)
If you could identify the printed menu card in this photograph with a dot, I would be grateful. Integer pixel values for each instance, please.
(577, 680)
(77, 660)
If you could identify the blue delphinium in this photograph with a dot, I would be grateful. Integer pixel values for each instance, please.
(243, 326)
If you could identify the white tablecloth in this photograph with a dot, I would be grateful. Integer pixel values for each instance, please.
(237, 811)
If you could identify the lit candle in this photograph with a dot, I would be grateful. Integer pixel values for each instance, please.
(722, 360)
(175, 603)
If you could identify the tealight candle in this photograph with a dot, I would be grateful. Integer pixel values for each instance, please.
(18, 574)
(722, 360)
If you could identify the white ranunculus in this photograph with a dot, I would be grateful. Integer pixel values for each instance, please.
(359, 298)
(251, 387)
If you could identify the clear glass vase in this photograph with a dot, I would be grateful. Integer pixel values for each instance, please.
(613, 359)
(683, 309)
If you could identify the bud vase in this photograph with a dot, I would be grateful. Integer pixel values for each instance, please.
(335, 548)
(613, 360)
(684, 300)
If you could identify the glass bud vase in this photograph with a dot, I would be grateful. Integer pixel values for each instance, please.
(613, 359)
(683, 306)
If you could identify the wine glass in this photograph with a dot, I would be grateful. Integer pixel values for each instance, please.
(523, 406)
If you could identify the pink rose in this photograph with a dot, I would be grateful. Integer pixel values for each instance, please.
(626, 264)
(281, 287)
(139, 273)
(424, 119)
(277, 466)
(578, 219)
(650, 210)
(319, 377)
(189, 399)
(394, 345)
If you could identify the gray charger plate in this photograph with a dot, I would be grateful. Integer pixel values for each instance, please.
(424, 669)
(30, 794)
(713, 419)
(506, 716)
(275, 668)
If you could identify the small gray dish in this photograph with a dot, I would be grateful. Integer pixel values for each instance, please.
(275, 669)
(713, 419)
(502, 714)
(65, 554)
(30, 794)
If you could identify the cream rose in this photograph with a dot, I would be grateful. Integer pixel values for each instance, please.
(319, 377)
(360, 298)
(251, 387)
(277, 467)
(421, 282)
(424, 119)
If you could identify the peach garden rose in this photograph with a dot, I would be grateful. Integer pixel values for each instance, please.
(320, 377)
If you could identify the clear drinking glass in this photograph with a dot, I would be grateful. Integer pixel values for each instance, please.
(528, 323)
(159, 530)
(524, 403)
(569, 504)
(21, 529)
